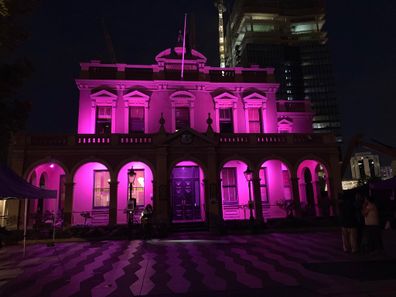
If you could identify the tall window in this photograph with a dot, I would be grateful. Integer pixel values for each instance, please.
(62, 191)
(182, 117)
(103, 120)
(101, 188)
(287, 193)
(254, 115)
(264, 184)
(229, 185)
(138, 187)
(136, 119)
(225, 120)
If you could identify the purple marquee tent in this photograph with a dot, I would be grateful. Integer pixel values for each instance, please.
(13, 186)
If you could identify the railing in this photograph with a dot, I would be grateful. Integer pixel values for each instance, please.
(233, 139)
(93, 139)
(112, 140)
(272, 138)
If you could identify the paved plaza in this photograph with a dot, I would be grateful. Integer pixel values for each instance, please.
(198, 264)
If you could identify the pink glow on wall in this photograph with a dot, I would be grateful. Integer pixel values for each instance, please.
(312, 166)
(278, 188)
(52, 173)
(84, 190)
(156, 96)
(201, 182)
(122, 195)
(238, 210)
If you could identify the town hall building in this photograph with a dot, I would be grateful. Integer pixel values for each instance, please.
(211, 147)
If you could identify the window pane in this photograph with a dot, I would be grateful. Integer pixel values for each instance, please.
(286, 185)
(136, 119)
(263, 184)
(182, 118)
(229, 186)
(103, 120)
(254, 120)
(101, 189)
(225, 120)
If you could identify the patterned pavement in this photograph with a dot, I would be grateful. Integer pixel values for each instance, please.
(276, 264)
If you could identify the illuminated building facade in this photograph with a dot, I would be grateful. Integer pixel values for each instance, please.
(189, 142)
(288, 35)
(365, 165)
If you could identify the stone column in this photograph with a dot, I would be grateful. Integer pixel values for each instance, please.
(257, 199)
(68, 211)
(213, 198)
(161, 198)
(296, 194)
(113, 202)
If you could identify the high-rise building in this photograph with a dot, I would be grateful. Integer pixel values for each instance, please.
(288, 35)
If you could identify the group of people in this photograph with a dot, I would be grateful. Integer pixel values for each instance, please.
(360, 224)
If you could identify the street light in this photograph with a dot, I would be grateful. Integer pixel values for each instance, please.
(249, 177)
(131, 201)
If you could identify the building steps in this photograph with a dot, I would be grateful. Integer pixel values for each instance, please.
(189, 227)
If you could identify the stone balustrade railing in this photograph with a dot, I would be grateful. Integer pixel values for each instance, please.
(150, 139)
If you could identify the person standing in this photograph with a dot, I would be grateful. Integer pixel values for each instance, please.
(348, 224)
(147, 221)
(372, 239)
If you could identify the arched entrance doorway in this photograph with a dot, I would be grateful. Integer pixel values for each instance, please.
(50, 176)
(91, 198)
(187, 193)
(314, 187)
(276, 189)
(235, 191)
(141, 189)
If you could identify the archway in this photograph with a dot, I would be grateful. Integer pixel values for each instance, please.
(314, 187)
(142, 189)
(51, 176)
(276, 189)
(187, 192)
(91, 197)
(235, 191)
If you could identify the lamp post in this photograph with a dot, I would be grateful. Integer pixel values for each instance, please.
(249, 177)
(131, 201)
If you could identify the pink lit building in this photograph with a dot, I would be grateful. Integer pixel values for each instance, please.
(189, 141)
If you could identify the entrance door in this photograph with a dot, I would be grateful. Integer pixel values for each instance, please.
(186, 194)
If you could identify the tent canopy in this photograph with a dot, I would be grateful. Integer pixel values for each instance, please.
(14, 186)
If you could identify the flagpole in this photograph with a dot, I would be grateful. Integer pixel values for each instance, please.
(184, 45)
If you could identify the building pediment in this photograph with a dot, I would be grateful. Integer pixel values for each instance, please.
(225, 96)
(135, 94)
(255, 100)
(182, 95)
(285, 121)
(103, 97)
(182, 98)
(188, 137)
(136, 98)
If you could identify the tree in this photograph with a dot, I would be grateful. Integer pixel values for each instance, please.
(13, 72)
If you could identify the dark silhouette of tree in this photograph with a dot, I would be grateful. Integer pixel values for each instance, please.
(13, 72)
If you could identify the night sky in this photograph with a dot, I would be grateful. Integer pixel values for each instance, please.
(362, 38)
